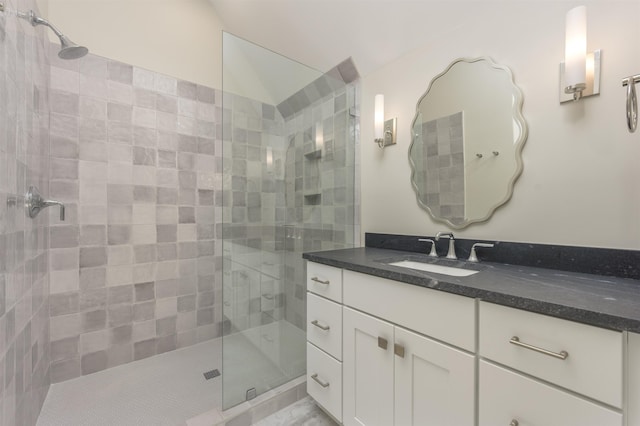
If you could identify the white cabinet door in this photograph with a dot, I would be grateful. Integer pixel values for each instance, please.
(367, 370)
(434, 383)
(633, 402)
(506, 397)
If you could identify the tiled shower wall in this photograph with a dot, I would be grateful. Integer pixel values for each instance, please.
(133, 156)
(24, 274)
(253, 211)
(285, 195)
(321, 186)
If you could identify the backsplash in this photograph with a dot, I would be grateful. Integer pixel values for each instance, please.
(588, 260)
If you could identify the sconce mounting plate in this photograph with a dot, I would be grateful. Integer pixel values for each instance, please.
(389, 132)
(593, 78)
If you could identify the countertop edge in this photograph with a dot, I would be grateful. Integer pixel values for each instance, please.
(562, 311)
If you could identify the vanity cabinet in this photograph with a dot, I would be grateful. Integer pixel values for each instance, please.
(509, 398)
(633, 398)
(382, 352)
(554, 360)
(324, 337)
(393, 375)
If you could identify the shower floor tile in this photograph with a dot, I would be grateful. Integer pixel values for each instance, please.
(170, 388)
(162, 390)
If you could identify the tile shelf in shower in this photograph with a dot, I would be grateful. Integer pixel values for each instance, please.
(314, 155)
(312, 198)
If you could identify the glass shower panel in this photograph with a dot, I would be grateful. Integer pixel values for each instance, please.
(287, 187)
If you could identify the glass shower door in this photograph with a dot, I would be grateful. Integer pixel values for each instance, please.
(287, 186)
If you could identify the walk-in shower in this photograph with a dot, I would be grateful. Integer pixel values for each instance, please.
(288, 186)
(181, 214)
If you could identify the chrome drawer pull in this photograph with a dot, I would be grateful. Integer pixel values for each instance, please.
(318, 280)
(320, 382)
(514, 422)
(320, 326)
(560, 355)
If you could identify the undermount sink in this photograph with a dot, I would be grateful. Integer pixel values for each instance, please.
(437, 269)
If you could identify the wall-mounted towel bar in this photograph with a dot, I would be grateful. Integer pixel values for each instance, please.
(632, 101)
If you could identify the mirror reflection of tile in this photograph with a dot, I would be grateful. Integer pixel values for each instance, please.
(443, 176)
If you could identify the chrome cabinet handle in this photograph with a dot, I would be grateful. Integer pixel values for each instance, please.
(318, 280)
(398, 350)
(514, 422)
(320, 382)
(515, 340)
(320, 326)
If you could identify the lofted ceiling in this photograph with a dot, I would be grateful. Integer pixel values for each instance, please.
(322, 33)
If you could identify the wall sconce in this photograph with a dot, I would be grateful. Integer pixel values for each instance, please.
(580, 73)
(385, 131)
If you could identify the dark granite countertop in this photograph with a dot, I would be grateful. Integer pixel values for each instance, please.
(607, 302)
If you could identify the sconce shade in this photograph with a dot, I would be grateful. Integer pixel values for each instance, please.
(576, 47)
(379, 117)
(269, 159)
(319, 136)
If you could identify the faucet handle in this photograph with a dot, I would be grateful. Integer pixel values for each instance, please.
(473, 257)
(34, 203)
(433, 252)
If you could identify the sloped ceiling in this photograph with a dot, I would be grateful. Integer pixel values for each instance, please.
(322, 33)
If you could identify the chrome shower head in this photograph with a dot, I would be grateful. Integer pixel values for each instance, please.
(68, 49)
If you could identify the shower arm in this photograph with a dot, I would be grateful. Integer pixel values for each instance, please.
(35, 20)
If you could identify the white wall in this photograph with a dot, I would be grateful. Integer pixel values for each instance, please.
(180, 38)
(581, 178)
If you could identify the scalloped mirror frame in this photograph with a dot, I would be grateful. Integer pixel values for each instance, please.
(518, 144)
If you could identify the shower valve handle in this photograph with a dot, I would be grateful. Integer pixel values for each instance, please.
(34, 203)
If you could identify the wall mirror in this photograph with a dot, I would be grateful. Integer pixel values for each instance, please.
(467, 138)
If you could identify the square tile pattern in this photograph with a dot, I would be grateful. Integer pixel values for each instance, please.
(24, 263)
(137, 157)
(133, 266)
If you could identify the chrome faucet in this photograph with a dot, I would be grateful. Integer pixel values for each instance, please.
(433, 252)
(473, 257)
(452, 244)
(34, 203)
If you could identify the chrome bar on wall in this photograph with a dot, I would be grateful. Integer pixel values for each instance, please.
(632, 101)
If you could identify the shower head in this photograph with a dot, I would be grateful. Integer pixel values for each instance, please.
(68, 49)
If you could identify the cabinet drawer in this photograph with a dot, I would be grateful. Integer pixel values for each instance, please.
(592, 367)
(324, 325)
(506, 396)
(325, 281)
(324, 380)
(443, 316)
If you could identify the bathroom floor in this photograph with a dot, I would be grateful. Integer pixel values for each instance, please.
(303, 413)
(170, 388)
